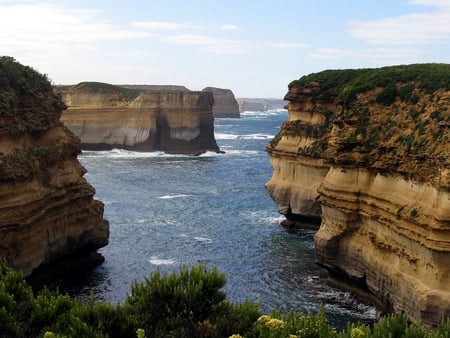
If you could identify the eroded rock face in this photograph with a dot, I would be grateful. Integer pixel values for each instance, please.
(225, 104)
(373, 163)
(104, 117)
(47, 210)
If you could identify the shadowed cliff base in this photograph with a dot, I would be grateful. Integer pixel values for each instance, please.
(367, 150)
(47, 209)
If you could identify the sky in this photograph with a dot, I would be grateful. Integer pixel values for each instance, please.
(253, 47)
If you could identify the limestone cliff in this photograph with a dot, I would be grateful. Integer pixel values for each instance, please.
(47, 210)
(367, 153)
(225, 104)
(105, 116)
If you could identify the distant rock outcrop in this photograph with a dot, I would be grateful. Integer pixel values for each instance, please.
(366, 153)
(225, 104)
(47, 210)
(254, 104)
(105, 116)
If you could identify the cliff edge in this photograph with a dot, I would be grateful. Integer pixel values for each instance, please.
(47, 210)
(365, 155)
(225, 104)
(105, 116)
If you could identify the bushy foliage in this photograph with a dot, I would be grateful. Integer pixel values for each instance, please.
(347, 83)
(187, 303)
(176, 302)
(387, 95)
(26, 99)
(125, 94)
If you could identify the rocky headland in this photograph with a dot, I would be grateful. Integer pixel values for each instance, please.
(260, 104)
(47, 210)
(171, 120)
(225, 104)
(365, 156)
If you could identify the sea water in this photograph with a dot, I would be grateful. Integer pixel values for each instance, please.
(166, 211)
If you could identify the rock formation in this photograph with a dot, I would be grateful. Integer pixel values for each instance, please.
(105, 116)
(47, 210)
(367, 153)
(225, 104)
(252, 104)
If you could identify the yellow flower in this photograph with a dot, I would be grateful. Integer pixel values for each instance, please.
(292, 336)
(356, 333)
(275, 323)
(264, 319)
(49, 334)
(140, 333)
(235, 336)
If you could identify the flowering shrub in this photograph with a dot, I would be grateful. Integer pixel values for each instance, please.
(201, 310)
(356, 333)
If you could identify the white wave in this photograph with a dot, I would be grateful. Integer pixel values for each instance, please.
(128, 154)
(223, 136)
(203, 239)
(167, 197)
(158, 261)
(264, 113)
(241, 152)
(274, 220)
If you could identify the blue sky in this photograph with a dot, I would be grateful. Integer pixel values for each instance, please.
(255, 48)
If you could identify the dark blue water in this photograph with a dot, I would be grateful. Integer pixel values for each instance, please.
(166, 211)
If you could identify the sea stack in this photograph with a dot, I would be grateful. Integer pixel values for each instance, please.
(106, 116)
(47, 209)
(366, 154)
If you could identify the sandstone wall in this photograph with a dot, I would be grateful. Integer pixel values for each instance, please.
(47, 210)
(173, 121)
(377, 174)
(225, 104)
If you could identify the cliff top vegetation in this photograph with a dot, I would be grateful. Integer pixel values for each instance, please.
(347, 83)
(27, 100)
(125, 94)
(392, 118)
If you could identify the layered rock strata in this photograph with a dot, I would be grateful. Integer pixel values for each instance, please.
(225, 104)
(367, 152)
(47, 210)
(104, 117)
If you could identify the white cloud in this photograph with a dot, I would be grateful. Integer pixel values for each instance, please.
(209, 44)
(157, 25)
(426, 28)
(228, 27)
(283, 45)
(228, 46)
(36, 23)
(432, 3)
(66, 44)
(376, 56)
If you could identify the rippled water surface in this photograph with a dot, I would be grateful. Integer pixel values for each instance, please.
(165, 211)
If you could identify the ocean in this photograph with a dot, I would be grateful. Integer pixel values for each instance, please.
(166, 211)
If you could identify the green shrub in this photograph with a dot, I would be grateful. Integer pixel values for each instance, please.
(405, 92)
(387, 95)
(176, 302)
(184, 304)
(236, 318)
